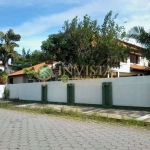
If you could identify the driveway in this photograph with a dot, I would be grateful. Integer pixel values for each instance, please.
(27, 131)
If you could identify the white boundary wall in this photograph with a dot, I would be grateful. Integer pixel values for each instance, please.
(14, 90)
(127, 91)
(2, 87)
(57, 92)
(131, 91)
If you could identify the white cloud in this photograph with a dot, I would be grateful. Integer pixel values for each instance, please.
(137, 5)
(137, 20)
(135, 12)
(30, 29)
(41, 24)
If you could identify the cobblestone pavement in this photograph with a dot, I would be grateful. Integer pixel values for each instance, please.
(27, 131)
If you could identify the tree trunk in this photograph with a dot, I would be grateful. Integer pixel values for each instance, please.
(5, 63)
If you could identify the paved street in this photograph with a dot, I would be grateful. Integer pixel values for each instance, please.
(26, 131)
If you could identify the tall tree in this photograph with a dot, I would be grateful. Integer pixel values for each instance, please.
(7, 45)
(143, 37)
(73, 43)
(87, 43)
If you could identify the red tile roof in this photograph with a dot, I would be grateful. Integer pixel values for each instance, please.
(133, 45)
(137, 67)
(134, 48)
(21, 72)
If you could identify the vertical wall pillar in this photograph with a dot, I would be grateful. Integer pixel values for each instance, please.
(107, 94)
(44, 93)
(117, 74)
(71, 93)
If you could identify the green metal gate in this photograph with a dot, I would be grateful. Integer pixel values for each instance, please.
(70, 93)
(107, 94)
(44, 93)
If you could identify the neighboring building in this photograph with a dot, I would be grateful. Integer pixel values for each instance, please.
(21, 77)
(135, 65)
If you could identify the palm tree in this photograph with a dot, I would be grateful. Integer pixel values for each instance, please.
(140, 35)
(143, 37)
(7, 46)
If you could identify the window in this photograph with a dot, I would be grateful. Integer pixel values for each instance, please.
(30, 81)
(134, 59)
(11, 80)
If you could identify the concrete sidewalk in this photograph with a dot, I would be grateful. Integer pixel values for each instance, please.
(110, 113)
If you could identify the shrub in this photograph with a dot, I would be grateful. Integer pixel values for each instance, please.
(6, 93)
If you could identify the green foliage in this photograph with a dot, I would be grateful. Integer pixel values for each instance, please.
(7, 45)
(86, 43)
(3, 77)
(6, 93)
(143, 37)
(48, 110)
(28, 59)
(29, 72)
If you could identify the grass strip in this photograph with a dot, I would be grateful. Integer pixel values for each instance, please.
(75, 114)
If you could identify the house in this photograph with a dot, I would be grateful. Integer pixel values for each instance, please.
(21, 77)
(135, 65)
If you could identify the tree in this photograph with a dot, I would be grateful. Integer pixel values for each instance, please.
(86, 43)
(7, 45)
(3, 77)
(29, 72)
(28, 59)
(143, 37)
(37, 57)
(22, 61)
(73, 43)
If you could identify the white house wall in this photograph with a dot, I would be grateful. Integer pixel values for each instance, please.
(124, 67)
(18, 79)
(143, 62)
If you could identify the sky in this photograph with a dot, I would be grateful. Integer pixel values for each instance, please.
(35, 20)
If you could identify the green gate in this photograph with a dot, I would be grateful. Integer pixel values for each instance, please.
(44, 93)
(107, 94)
(70, 93)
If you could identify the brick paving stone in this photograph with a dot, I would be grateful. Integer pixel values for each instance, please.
(98, 146)
(54, 145)
(145, 148)
(67, 148)
(79, 149)
(20, 131)
(55, 148)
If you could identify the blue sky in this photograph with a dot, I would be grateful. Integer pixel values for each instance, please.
(34, 20)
